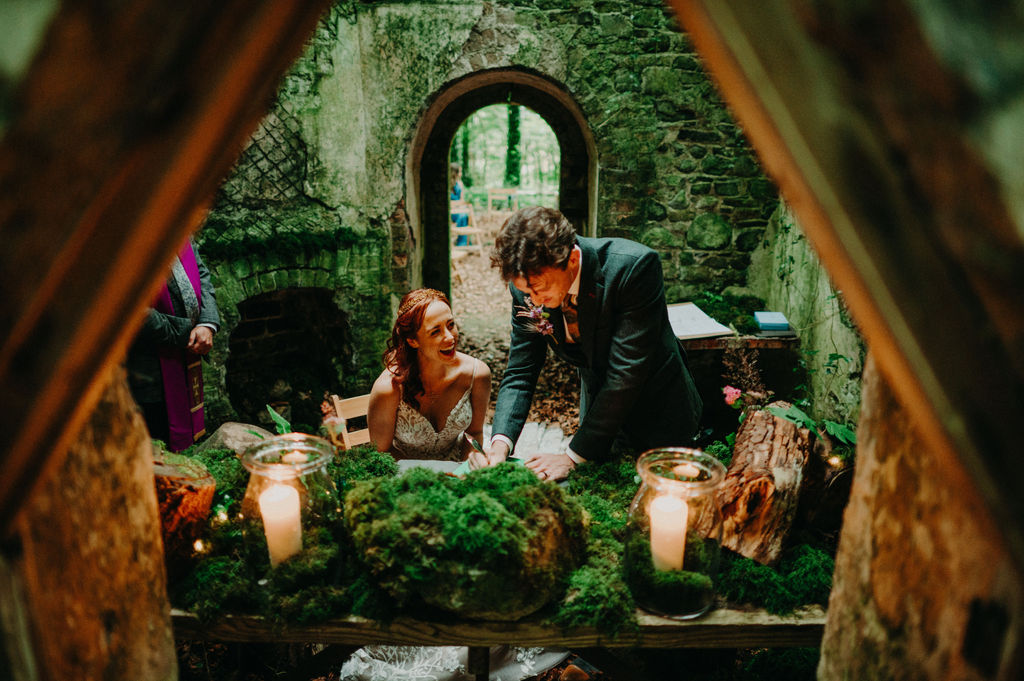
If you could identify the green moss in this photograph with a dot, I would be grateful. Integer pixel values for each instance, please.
(670, 591)
(737, 311)
(804, 576)
(475, 545)
(452, 524)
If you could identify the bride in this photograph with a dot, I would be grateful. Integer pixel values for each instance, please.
(428, 395)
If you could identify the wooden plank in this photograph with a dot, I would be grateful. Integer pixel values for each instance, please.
(136, 138)
(757, 342)
(914, 232)
(717, 629)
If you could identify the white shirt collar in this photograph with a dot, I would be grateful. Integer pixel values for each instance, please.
(574, 288)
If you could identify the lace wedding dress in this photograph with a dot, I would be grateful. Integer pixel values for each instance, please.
(416, 438)
(445, 663)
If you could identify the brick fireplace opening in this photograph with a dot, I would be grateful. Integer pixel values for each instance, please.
(289, 347)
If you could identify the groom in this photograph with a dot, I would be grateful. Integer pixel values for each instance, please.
(606, 315)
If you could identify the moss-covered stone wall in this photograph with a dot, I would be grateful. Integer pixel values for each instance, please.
(787, 274)
(328, 169)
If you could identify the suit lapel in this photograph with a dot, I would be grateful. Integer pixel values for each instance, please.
(591, 290)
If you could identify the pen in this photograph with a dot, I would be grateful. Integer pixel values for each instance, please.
(472, 443)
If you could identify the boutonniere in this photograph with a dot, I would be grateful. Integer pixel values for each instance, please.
(537, 320)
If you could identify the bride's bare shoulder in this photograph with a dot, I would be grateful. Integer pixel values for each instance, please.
(385, 386)
(473, 366)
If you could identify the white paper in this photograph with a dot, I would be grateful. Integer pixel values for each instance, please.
(689, 321)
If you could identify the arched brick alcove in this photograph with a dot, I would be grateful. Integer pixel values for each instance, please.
(288, 348)
(427, 172)
(303, 318)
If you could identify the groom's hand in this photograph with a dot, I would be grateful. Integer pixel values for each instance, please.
(553, 467)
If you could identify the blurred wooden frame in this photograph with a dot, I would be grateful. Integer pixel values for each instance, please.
(349, 409)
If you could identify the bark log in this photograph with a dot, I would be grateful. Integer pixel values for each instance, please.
(93, 560)
(762, 489)
(184, 492)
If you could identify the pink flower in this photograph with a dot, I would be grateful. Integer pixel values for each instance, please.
(536, 319)
(731, 394)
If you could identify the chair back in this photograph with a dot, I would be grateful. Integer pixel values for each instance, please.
(350, 409)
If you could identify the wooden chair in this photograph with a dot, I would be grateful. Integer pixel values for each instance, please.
(507, 198)
(474, 235)
(350, 409)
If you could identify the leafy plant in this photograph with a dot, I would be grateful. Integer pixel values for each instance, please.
(794, 414)
(281, 424)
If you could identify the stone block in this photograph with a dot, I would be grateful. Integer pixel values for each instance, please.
(659, 238)
(709, 231)
(616, 25)
(749, 239)
(727, 188)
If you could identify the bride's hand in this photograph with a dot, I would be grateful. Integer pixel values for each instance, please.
(492, 455)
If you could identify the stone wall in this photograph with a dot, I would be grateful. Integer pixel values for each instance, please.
(786, 273)
(326, 174)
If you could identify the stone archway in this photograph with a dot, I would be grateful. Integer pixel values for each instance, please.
(427, 170)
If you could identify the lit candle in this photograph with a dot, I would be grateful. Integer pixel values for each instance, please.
(295, 457)
(669, 516)
(279, 506)
(686, 470)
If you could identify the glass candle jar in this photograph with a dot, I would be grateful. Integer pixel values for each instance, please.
(674, 532)
(289, 487)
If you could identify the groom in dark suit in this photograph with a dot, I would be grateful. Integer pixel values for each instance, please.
(600, 305)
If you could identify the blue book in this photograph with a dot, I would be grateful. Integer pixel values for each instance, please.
(771, 321)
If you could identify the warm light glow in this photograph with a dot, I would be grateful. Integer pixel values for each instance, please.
(199, 546)
(222, 516)
(834, 461)
(669, 517)
(295, 457)
(282, 522)
(686, 470)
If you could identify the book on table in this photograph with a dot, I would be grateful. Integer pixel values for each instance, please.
(773, 324)
(689, 321)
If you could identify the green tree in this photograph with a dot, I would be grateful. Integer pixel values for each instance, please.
(513, 158)
(467, 175)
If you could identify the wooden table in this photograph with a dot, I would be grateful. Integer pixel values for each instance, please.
(723, 628)
(718, 629)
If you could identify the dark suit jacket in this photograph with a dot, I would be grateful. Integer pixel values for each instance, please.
(632, 372)
(160, 330)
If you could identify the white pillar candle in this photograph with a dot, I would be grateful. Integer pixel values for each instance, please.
(669, 516)
(295, 457)
(282, 522)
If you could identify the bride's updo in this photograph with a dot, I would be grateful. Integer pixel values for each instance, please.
(400, 357)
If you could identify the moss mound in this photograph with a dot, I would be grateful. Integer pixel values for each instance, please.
(496, 545)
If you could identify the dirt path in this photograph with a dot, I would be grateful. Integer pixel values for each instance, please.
(483, 309)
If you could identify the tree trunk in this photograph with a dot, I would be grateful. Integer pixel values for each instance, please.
(512, 155)
(467, 172)
(93, 559)
(762, 489)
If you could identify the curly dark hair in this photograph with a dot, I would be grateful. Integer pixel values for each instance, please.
(531, 239)
(400, 357)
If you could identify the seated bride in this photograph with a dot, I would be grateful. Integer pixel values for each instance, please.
(428, 395)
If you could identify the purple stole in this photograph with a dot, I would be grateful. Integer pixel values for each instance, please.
(182, 371)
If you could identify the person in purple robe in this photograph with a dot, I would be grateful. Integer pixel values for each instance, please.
(164, 361)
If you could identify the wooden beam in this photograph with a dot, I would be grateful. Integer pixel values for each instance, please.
(934, 283)
(124, 126)
(718, 629)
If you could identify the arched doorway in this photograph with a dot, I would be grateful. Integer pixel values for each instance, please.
(427, 171)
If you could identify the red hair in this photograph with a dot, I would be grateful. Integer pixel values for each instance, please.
(400, 357)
